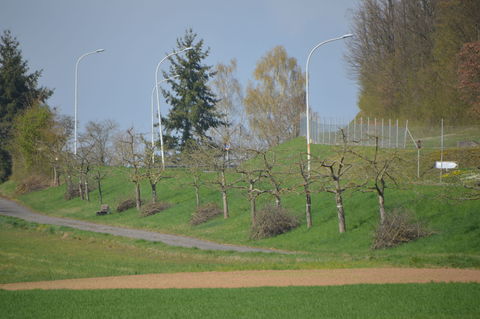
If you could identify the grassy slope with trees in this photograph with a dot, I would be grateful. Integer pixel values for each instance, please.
(455, 224)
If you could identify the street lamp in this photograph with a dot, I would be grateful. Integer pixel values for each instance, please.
(76, 93)
(158, 101)
(151, 107)
(306, 93)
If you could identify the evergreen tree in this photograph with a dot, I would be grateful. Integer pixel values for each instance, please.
(193, 102)
(18, 91)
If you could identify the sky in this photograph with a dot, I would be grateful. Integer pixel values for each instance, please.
(136, 35)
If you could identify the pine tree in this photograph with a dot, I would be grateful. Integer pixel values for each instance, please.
(18, 91)
(193, 102)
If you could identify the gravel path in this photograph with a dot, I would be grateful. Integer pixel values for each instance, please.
(259, 278)
(10, 208)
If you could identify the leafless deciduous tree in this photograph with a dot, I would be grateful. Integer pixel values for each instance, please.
(195, 163)
(215, 157)
(335, 174)
(307, 180)
(128, 148)
(153, 170)
(251, 176)
(83, 167)
(99, 135)
(380, 168)
(260, 177)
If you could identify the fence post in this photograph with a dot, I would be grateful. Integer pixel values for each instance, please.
(354, 128)
(322, 121)
(389, 133)
(382, 133)
(348, 130)
(335, 120)
(396, 145)
(361, 130)
(441, 151)
(405, 138)
(368, 131)
(329, 129)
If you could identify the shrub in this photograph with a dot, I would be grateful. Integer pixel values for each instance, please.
(399, 227)
(126, 204)
(204, 213)
(153, 208)
(71, 193)
(273, 221)
(32, 183)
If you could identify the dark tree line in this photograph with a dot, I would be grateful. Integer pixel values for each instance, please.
(405, 57)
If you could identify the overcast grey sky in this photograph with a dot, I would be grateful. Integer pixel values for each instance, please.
(136, 35)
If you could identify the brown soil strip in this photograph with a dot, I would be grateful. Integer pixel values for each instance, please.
(261, 278)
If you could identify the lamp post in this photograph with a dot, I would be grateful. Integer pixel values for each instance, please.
(306, 92)
(151, 108)
(76, 93)
(158, 101)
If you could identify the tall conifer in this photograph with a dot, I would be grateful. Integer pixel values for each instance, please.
(193, 102)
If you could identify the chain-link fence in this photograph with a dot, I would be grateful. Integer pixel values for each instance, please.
(391, 133)
(439, 146)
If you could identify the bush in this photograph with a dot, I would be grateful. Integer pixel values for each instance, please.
(204, 213)
(32, 183)
(273, 221)
(126, 204)
(399, 227)
(71, 193)
(153, 208)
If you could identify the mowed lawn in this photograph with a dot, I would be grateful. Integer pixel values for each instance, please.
(355, 301)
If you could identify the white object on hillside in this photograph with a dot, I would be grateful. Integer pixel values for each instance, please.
(445, 165)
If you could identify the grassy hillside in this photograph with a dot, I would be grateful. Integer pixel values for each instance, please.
(456, 224)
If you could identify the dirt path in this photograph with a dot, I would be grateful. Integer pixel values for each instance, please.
(260, 278)
(10, 208)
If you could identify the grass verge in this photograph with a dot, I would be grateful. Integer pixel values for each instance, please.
(33, 252)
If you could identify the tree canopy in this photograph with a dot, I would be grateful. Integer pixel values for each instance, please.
(273, 104)
(405, 57)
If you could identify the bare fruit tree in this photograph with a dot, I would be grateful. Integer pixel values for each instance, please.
(260, 177)
(380, 168)
(251, 176)
(153, 169)
(128, 148)
(335, 173)
(306, 185)
(215, 157)
(195, 163)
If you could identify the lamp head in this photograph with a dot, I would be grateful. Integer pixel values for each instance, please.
(349, 35)
(99, 50)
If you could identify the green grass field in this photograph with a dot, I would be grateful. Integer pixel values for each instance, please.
(355, 301)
